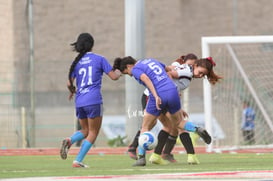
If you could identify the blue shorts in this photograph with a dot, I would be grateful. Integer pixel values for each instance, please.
(170, 101)
(91, 111)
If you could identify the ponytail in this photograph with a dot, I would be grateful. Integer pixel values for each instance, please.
(71, 87)
(183, 59)
(121, 63)
(213, 78)
(84, 44)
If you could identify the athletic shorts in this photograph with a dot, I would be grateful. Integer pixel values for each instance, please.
(170, 101)
(90, 111)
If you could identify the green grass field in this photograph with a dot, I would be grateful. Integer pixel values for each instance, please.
(32, 166)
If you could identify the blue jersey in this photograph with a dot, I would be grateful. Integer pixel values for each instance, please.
(88, 74)
(155, 70)
(164, 86)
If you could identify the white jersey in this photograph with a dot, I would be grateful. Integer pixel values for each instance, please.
(146, 92)
(185, 73)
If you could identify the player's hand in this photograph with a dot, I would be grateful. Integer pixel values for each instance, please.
(118, 73)
(71, 96)
(71, 88)
(184, 114)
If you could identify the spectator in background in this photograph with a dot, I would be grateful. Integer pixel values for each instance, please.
(248, 125)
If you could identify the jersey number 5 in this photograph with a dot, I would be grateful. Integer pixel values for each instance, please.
(156, 69)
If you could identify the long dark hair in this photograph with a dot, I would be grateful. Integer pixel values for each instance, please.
(83, 45)
(121, 63)
(184, 58)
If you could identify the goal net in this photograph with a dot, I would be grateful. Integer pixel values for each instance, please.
(246, 64)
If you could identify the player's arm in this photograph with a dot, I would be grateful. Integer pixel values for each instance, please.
(173, 74)
(182, 71)
(169, 69)
(147, 81)
(114, 74)
(184, 114)
(72, 89)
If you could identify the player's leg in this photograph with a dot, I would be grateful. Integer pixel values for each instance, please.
(187, 143)
(170, 143)
(148, 123)
(133, 146)
(191, 127)
(252, 137)
(77, 136)
(78, 143)
(85, 127)
(170, 121)
(156, 158)
(94, 125)
(171, 125)
(248, 136)
(185, 140)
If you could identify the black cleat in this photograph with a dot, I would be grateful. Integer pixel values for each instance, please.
(66, 144)
(203, 134)
(132, 153)
(169, 157)
(140, 162)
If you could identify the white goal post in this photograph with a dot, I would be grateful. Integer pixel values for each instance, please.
(207, 42)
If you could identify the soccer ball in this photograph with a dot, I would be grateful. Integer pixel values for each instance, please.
(147, 140)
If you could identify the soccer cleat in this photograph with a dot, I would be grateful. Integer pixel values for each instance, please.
(66, 144)
(77, 164)
(156, 159)
(169, 157)
(140, 162)
(192, 159)
(132, 153)
(203, 134)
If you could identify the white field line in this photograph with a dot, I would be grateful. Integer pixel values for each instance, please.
(226, 176)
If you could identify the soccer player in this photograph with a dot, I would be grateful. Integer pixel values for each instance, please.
(182, 75)
(171, 140)
(163, 95)
(87, 70)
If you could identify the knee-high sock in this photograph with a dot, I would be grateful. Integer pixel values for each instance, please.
(134, 144)
(141, 151)
(162, 137)
(77, 136)
(169, 144)
(86, 145)
(187, 143)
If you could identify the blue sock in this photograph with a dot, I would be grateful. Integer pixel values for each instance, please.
(86, 145)
(189, 126)
(77, 136)
(141, 151)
